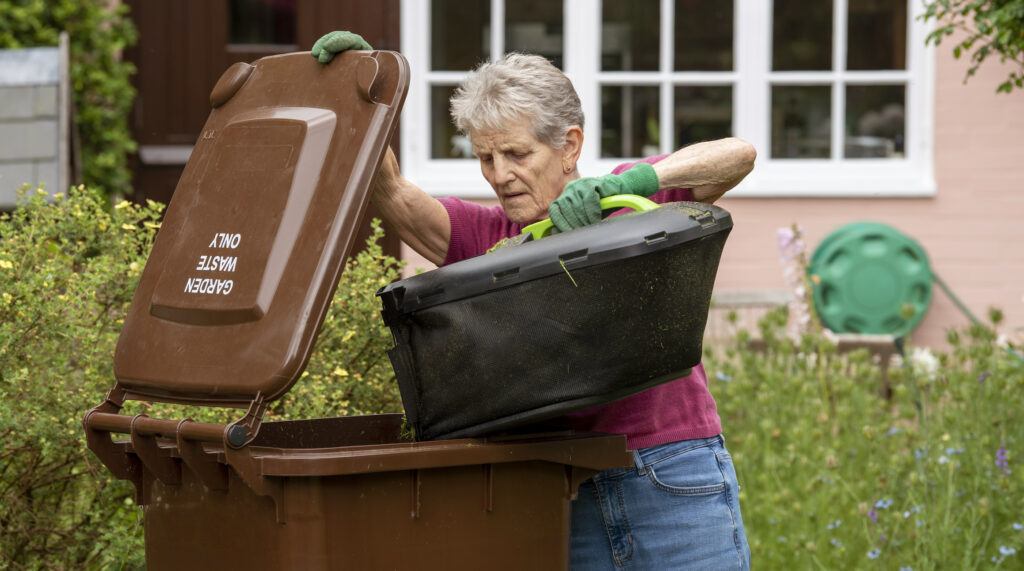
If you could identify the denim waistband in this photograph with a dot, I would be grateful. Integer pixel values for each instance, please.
(649, 456)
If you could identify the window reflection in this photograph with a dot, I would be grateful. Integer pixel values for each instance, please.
(460, 34)
(445, 140)
(802, 35)
(877, 34)
(269, 22)
(875, 121)
(535, 27)
(702, 113)
(629, 120)
(703, 35)
(801, 121)
(630, 35)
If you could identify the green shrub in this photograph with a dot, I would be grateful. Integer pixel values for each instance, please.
(835, 476)
(99, 30)
(991, 28)
(68, 269)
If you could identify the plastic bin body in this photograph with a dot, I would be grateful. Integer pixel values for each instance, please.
(435, 505)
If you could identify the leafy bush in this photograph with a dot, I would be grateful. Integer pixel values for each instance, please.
(68, 270)
(99, 30)
(992, 27)
(834, 475)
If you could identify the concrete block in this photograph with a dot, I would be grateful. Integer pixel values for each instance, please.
(16, 102)
(12, 176)
(46, 174)
(22, 140)
(31, 66)
(45, 101)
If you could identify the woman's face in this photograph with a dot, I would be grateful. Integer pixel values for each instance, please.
(526, 174)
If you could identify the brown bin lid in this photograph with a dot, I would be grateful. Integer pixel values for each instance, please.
(253, 243)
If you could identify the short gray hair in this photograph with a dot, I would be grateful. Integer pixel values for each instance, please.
(518, 86)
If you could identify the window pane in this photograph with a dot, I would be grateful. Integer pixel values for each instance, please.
(535, 27)
(263, 22)
(802, 35)
(630, 35)
(445, 141)
(703, 35)
(702, 113)
(460, 34)
(801, 121)
(629, 120)
(875, 121)
(877, 32)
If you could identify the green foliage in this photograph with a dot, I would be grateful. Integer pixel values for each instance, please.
(99, 30)
(992, 28)
(835, 475)
(68, 270)
(67, 273)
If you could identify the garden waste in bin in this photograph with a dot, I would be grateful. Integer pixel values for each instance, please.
(226, 313)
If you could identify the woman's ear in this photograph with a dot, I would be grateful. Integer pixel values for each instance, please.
(573, 147)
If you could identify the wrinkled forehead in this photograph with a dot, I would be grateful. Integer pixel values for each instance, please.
(515, 134)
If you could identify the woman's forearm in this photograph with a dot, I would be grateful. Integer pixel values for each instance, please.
(710, 168)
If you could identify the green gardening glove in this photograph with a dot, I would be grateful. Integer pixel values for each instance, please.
(580, 203)
(336, 42)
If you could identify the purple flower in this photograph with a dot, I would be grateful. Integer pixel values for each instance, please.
(874, 553)
(1017, 526)
(1002, 460)
(1007, 551)
(984, 375)
(873, 515)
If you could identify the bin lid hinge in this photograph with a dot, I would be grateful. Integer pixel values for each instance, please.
(244, 430)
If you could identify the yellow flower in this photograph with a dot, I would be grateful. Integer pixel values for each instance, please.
(340, 372)
(151, 225)
(128, 227)
(348, 335)
(6, 264)
(122, 204)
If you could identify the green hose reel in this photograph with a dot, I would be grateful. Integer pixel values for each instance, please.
(868, 277)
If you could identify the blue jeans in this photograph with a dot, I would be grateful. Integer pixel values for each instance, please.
(677, 509)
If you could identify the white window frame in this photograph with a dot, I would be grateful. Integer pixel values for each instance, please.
(751, 79)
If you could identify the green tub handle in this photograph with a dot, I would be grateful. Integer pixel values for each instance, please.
(541, 229)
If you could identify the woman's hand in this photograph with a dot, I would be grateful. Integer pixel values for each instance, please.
(336, 42)
(580, 203)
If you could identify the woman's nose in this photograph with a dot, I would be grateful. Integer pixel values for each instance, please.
(503, 170)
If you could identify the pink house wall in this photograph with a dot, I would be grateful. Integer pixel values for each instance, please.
(972, 229)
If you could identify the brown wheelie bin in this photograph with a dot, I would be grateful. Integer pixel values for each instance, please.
(226, 313)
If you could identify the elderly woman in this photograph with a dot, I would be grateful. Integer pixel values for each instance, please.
(678, 508)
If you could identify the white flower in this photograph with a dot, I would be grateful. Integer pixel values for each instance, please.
(1007, 551)
(924, 362)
